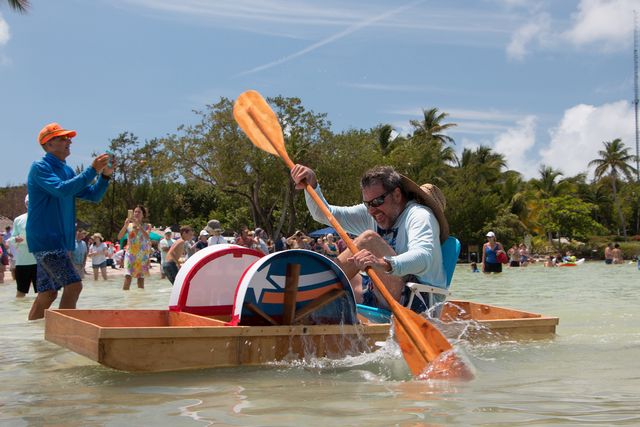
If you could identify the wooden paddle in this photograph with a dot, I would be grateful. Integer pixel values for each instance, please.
(426, 350)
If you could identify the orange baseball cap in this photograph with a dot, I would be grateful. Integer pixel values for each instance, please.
(53, 130)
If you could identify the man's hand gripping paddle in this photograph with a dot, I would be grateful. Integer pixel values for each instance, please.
(425, 349)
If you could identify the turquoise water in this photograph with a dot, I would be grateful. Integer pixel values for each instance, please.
(589, 374)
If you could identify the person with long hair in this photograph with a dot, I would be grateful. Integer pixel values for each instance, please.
(136, 261)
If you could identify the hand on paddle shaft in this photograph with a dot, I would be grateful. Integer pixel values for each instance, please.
(426, 350)
(303, 175)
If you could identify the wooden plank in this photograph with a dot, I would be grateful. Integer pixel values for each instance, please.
(188, 319)
(318, 303)
(119, 318)
(290, 293)
(261, 313)
(78, 336)
(466, 310)
(153, 355)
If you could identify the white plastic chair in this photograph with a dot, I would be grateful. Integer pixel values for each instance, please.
(450, 251)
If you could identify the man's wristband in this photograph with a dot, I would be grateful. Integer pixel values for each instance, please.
(107, 177)
(392, 264)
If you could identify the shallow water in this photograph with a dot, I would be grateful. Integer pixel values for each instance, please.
(589, 374)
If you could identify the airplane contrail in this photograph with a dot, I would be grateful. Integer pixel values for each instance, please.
(349, 30)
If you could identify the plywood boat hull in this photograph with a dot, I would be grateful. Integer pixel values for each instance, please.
(493, 322)
(160, 340)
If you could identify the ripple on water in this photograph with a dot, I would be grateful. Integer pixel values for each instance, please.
(587, 375)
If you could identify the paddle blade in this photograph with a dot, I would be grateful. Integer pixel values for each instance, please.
(437, 360)
(256, 118)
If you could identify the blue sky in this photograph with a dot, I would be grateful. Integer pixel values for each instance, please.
(540, 81)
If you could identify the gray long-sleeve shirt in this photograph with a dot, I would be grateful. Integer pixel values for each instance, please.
(414, 237)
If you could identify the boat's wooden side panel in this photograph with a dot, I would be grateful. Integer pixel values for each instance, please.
(466, 310)
(160, 340)
(170, 354)
(74, 334)
(522, 328)
(167, 341)
(493, 322)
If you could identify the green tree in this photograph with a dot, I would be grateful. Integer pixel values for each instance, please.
(615, 161)
(483, 164)
(568, 216)
(423, 162)
(385, 141)
(431, 126)
(546, 186)
(216, 152)
(508, 227)
(550, 183)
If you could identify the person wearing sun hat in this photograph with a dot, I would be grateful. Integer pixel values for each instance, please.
(400, 227)
(202, 240)
(215, 233)
(490, 253)
(53, 188)
(98, 252)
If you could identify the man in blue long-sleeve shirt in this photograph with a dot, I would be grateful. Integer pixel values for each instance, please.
(51, 225)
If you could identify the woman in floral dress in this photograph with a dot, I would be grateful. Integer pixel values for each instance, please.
(136, 261)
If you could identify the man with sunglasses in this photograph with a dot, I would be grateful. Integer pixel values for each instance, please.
(400, 227)
(51, 224)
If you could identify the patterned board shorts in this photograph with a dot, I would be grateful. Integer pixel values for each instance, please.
(370, 298)
(55, 270)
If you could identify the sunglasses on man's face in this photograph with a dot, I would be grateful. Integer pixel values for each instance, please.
(378, 201)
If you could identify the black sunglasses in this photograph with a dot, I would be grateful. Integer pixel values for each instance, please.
(378, 201)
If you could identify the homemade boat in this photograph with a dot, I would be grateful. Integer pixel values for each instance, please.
(232, 306)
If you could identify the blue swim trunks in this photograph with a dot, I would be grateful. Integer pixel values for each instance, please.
(55, 270)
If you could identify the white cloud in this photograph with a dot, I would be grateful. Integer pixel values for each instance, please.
(579, 135)
(4, 31)
(479, 128)
(463, 114)
(535, 31)
(516, 144)
(492, 115)
(609, 22)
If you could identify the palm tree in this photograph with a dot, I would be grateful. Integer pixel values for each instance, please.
(546, 186)
(432, 127)
(19, 5)
(615, 160)
(482, 165)
(384, 138)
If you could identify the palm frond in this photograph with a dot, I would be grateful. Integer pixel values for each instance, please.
(21, 6)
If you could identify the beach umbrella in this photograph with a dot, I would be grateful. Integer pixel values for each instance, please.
(323, 232)
(155, 237)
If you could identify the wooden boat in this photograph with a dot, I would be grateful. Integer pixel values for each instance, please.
(482, 322)
(288, 305)
(490, 322)
(162, 340)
